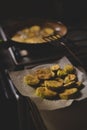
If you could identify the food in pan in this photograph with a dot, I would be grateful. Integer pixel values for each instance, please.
(63, 84)
(34, 34)
(31, 80)
(54, 84)
(45, 93)
(34, 40)
(47, 32)
(35, 28)
(68, 93)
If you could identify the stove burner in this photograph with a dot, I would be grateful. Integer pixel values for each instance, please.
(24, 52)
(22, 56)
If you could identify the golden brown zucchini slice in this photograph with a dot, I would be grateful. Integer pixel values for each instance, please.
(69, 78)
(31, 80)
(69, 68)
(35, 28)
(47, 31)
(69, 84)
(45, 93)
(55, 67)
(54, 84)
(68, 93)
(61, 73)
(44, 73)
(79, 85)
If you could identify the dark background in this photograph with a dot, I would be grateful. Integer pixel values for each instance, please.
(69, 11)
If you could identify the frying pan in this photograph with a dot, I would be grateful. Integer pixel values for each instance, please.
(12, 27)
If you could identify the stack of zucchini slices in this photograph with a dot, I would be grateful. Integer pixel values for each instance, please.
(55, 82)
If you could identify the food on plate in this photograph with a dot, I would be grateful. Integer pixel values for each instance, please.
(31, 80)
(70, 84)
(79, 85)
(54, 84)
(69, 68)
(55, 67)
(70, 77)
(55, 81)
(45, 93)
(44, 73)
(34, 34)
(68, 93)
(61, 73)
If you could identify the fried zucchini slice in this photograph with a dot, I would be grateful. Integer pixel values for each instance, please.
(61, 73)
(69, 78)
(79, 85)
(18, 38)
(31, 80)
(54, 84)
(55, 67)
(44, 73)
(47, 31)
(70, 84)
(69, 68)
(68, 93)
(45, 93)
(35, 28)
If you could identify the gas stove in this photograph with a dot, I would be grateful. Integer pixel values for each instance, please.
(77, 36)
(23, 56)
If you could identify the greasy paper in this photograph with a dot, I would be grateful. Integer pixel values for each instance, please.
(44, 104)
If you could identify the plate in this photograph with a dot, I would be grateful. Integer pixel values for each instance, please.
(44, 104)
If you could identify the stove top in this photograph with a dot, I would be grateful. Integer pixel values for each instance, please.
(22, 56)
(78, 36)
